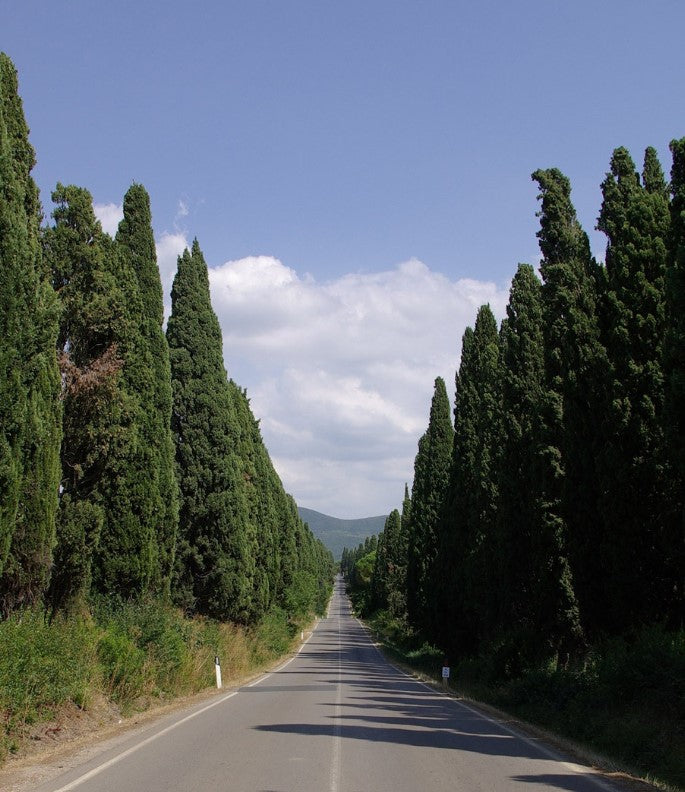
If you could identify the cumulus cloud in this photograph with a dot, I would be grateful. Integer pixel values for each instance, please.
(169, 247)
(109, 215)
(341, 373)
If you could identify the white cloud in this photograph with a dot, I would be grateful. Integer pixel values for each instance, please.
(341, 373)
(169, 247)
(109, 215)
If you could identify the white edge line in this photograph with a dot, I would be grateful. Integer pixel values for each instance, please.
(280, 667)
(100, 768)
(583, 770)
(97, 770)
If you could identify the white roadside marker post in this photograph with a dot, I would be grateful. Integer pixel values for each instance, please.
(445, 675)
(217, 668)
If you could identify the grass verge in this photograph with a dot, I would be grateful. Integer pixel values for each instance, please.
(134, 654)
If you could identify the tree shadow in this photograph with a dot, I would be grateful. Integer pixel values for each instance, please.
(571, 782)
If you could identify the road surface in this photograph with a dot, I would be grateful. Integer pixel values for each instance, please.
(335, 718)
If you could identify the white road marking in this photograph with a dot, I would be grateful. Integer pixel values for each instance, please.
(536, 744)
(337, 737)
(100, 768)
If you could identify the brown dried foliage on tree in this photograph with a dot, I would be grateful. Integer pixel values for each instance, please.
(95, 380)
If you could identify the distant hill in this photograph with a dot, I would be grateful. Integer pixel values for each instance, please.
(337, 534)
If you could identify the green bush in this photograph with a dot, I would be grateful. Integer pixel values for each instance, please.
(625, 698)
(43, 665)
(123, 667)
(273, 635)
(132, 652)
(146, 648)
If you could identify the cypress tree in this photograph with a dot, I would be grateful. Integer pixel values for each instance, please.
(398, 597)
(674, 365)
(431, 477)
(30, 409)
(98, 411)
(393, 575)
(455, 630)
(396, 540)
(262, 491)
(637, 481)
(379, 579)
(575, 365)
(536, 607)
(148, 372)
(468, 524)
(214, 572)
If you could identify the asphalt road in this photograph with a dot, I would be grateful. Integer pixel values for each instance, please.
(335, 718)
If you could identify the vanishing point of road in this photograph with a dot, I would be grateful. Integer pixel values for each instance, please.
(337, 717)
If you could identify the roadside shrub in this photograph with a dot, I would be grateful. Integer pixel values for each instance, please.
(123, 667)
(273, 635)
(43, 665)
(131, 652)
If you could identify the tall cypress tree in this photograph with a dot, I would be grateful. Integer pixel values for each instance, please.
(152, 473)
(396, 538)
(96, 408)
(454, 629)
(262, 491)
(468, 542)
(674, 364)
(431, 477)
(30, 410)
(536, 605)
(215, 567)
(637, 480)
(576, 367)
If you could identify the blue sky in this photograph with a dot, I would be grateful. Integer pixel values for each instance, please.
(357, 175)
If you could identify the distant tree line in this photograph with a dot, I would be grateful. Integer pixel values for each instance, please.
(130, 465)
(547, 512)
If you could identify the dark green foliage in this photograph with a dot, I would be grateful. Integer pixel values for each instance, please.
(675, 341)
(536, 609)
(431, 477)
(99, 342)
(148, 373)
(243, 548)
(293, 570)
(674, 364)
(30, 410)
(624, 700)
(215, 566)
(94, 406)
(390, 572)
(358, 567)
(79, 530)
(575, 364)
(637, 478)
(467, 592)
